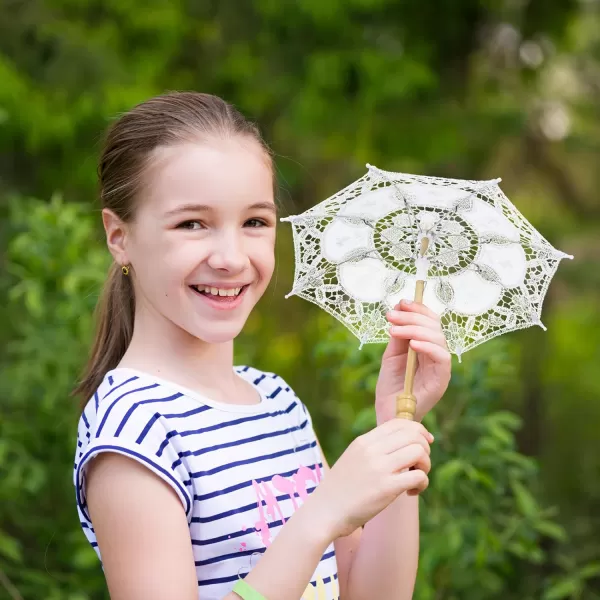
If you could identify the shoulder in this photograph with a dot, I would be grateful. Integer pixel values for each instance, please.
(272, 385)
(125, 400)
(132, 415)
(267, 381)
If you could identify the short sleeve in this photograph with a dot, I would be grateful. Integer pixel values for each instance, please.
(132, 429)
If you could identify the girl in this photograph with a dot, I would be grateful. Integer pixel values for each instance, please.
(195, 479)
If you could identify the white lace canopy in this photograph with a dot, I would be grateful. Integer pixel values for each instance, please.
(487, 269)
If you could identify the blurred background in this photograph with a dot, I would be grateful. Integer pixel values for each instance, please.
(463, 88)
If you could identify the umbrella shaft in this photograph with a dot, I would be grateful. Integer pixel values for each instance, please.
(406, 403)
(411, 361)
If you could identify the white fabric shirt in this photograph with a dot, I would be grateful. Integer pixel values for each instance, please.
(240, 471)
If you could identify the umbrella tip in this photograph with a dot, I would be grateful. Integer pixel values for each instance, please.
(288, 295)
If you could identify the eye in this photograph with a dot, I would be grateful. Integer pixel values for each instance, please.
(255, 223)
(191, 225)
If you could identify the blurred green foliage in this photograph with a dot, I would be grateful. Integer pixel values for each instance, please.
(469, 88)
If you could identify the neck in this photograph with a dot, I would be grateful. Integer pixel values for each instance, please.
(160, 348)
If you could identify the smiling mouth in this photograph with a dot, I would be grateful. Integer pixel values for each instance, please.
(223, 295)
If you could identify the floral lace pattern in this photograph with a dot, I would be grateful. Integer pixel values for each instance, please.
(487, 269)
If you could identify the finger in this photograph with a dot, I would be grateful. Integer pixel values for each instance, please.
(404, 437)
(393, 427)
(403, 317)
(416, 332)
(412, 482)
(413, 455)
(435, 352)
(417, 307)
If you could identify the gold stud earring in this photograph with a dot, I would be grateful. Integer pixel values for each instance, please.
(125, 270)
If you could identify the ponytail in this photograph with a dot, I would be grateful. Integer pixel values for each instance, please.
(114, 328)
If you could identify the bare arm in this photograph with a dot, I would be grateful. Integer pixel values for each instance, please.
(144, 539)
(381, 559)
(386, 560)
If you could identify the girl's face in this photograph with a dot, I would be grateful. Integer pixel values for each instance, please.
(201, 245)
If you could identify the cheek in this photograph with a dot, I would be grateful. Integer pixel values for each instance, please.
(263, 256)
(161, 259)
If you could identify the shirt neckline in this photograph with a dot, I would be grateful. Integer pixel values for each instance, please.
(201, 398)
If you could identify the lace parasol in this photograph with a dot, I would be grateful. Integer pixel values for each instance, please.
(479, 263)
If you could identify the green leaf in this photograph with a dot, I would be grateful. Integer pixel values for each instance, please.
(568, 588)
(590, 571)
(552, 530)
(525, 501)
(10, 548)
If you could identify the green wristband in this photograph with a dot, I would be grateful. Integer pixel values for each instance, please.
(246, 591)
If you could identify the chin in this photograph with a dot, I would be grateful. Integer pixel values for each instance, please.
(216, 335)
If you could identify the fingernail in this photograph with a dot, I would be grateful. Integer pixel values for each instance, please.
(407, 302)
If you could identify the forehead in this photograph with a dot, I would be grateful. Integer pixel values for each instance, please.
(226, 174)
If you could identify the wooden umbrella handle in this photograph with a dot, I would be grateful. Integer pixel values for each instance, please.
(406, 403)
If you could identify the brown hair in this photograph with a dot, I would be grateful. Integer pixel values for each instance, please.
(165, 120)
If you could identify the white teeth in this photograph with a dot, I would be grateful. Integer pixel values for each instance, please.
(219, 291)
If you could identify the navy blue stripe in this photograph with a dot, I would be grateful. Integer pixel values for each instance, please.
(142, 458)
(254, 438)
(216, 559)
(254, 459)
(235, 577)
(230, 536)
(217, 426)
(136, 404)
(246, 508)
(87, 423)
(189, 413)
(147, 428)
(120, 385)
(96, 399)
(224, 557)
(275, 393)
(259, 379)
(110, 380)
(105, 417)
(201, 563)
(243, 484)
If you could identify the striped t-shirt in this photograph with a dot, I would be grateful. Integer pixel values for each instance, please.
(240, 471)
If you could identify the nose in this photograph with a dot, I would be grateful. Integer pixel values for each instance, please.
(227, 253)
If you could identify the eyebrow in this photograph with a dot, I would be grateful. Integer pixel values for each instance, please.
(270, 206)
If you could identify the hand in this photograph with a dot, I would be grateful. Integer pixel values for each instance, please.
(416, 325)
(372, 473)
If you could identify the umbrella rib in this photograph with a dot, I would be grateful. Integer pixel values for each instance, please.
(406, 202)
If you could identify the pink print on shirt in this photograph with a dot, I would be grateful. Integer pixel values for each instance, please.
(266, 497)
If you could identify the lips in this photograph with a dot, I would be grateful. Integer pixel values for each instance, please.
(224, 299)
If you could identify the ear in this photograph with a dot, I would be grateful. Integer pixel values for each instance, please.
(116, 236)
